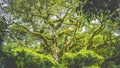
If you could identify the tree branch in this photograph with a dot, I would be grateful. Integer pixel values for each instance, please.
(103, 65)
(89, 43)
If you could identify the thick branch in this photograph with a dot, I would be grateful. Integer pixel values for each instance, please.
(103, 65)
(59, 25)
(89, 43)
(36, 34)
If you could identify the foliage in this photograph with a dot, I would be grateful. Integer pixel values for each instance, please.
(98, 7)
(26, 58)
(81, 59)
(69, 33)
(111, 65)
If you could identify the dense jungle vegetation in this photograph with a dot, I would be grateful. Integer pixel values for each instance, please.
(59, 33)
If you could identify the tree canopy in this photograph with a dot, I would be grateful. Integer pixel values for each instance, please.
(59, 33)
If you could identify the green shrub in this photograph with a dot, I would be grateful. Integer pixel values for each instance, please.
(26, 58)
(83, 58)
